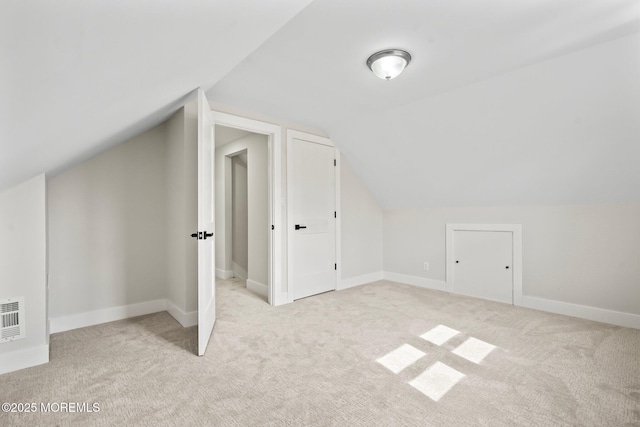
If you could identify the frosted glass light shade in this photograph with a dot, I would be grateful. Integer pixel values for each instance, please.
(388, 64)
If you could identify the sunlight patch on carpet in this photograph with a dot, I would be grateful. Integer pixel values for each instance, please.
(439, 335)
(436, 381)
(400, 358)
(474, 350)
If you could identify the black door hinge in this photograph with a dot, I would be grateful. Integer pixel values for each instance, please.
(273, 227)
(335, 162)
(335, 266)
(335, 214)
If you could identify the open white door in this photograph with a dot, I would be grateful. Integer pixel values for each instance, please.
(206, 224)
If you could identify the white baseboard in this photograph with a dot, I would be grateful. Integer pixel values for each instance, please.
(619, 318)
(360, 280)
(90, 318)
(239, 272)
(421, 282)
(26, 358)
(224, 274)
(258, 288)
(184, 318)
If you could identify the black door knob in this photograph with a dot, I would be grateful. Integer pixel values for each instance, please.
(507, 267)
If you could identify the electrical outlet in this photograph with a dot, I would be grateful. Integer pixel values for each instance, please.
(426, 266)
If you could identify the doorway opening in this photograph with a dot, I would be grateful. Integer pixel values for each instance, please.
(242, 194)
(271, 225)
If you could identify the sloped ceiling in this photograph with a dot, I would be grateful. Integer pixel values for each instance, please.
(79, 76)
(505, 102)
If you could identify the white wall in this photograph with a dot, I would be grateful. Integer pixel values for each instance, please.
(23, 270)
(258, 226)
(107, 236)
(240, 217)
(586, 255)
(177, 236)
(182, 215)
(191, 203)
(120, 228)
(362, 221)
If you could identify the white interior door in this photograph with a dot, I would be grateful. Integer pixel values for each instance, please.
(483, 264)
(206, 224)
(312, 223)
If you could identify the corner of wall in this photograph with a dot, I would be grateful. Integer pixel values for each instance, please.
(362, 230)
(23, 242)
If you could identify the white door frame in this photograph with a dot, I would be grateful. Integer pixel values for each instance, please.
(275, 295)
(291, 135)
(515, 229)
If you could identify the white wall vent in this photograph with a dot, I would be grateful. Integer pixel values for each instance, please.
(12, 319)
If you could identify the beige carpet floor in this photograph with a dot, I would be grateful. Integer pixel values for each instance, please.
(313, 363)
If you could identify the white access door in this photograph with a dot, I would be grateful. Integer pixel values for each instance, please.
(312, 223)
(206, 224)
(483, 264)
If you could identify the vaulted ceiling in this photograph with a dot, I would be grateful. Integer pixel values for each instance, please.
(80, 76)
(505, 102)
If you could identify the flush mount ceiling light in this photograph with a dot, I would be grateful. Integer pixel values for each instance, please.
(388, 63)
